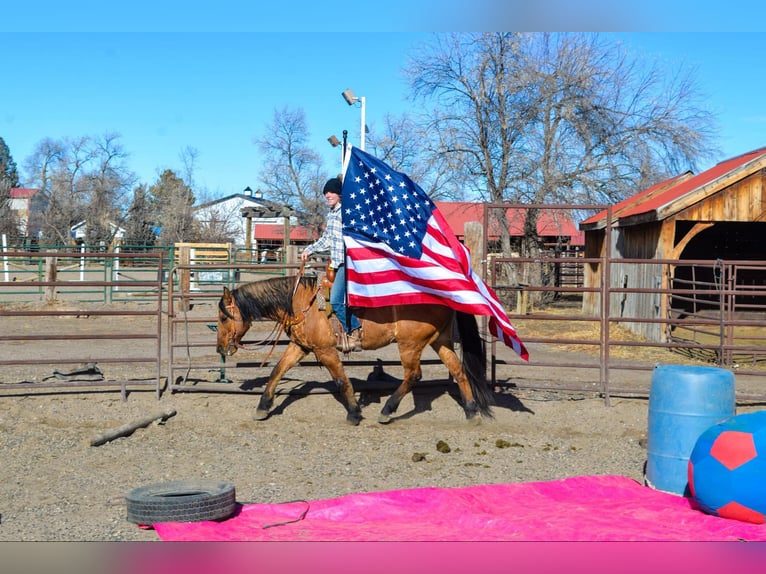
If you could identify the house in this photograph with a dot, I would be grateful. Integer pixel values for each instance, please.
(21, 204)
(229, 208)
(719, 214)
(79, 232)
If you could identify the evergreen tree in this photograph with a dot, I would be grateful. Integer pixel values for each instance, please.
(171, 202)
(140, 224)
(9, 178)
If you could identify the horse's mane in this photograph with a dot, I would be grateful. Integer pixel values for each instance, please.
(269, 298)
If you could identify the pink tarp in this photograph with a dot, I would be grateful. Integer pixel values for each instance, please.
(589, 508)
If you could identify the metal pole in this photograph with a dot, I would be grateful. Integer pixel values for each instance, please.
(361, 137)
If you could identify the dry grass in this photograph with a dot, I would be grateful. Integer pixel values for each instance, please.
(545, 324)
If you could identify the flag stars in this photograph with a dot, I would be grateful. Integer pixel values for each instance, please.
(386, 208)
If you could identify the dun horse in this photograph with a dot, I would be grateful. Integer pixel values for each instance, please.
(294, 303)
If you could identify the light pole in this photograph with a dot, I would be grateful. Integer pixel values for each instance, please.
(351, 99)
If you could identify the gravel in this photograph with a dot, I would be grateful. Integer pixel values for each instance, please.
(57, 487)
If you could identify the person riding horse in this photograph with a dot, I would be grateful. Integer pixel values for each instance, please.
(332, 241)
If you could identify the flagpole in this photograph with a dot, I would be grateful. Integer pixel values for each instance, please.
(361, 137)
(345, 256)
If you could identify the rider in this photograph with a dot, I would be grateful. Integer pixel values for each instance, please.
(332, 241)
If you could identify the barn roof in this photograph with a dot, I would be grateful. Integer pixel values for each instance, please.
(675, 194)
(552, 223)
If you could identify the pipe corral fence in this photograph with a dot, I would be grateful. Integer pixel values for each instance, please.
(154, 324)
(62, 324)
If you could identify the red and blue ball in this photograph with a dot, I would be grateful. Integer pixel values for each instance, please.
(727, 468)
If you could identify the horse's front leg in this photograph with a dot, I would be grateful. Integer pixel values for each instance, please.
(330, 359)
(291, 356)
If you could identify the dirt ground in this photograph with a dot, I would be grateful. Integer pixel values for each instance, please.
(55, 485)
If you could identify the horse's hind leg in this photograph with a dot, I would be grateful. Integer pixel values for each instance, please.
(452, 362)
(291, 356)
(330, 359)
(412, 374)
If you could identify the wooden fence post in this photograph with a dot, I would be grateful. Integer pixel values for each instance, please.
(50, 276)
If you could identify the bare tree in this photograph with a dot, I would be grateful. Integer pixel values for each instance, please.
(292, 171)
(106, 189)
(56, 167)
(407, 147)
(80, 179)
(565, 118)
(189, 156)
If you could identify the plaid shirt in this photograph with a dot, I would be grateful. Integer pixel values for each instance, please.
(332, 239)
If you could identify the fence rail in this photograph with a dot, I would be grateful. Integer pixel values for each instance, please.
(61, 330)
(716, 323)
(593, 334)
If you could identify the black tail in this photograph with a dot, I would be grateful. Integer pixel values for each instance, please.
(475, 361)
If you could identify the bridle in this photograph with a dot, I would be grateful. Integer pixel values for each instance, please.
(288, 321)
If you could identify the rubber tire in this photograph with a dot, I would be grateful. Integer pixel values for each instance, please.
(181, 501)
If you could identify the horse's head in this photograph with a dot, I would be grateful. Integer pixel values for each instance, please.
(231, 326)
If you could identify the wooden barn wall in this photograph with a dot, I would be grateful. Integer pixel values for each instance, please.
(594, 248)
(637, 242)
(741, 201)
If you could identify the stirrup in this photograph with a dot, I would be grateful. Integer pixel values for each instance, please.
(348, 343)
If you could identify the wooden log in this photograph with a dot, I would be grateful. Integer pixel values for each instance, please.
(127, 429)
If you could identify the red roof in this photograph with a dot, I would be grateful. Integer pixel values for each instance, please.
(659, 197)
(276, 231)
(22, 192)
(552, 222)
(627, 204)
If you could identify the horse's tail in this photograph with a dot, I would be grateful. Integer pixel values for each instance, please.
(475, 361)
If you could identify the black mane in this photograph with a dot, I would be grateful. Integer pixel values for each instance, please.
(269, 298)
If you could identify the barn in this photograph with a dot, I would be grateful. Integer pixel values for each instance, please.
(554, 227)
(718, 215)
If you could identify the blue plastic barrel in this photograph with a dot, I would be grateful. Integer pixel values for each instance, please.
(684, 401)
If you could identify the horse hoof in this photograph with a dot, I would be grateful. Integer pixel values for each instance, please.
(353, 420)
(384, 419)
(261, 415)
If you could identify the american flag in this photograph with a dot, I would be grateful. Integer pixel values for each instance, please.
(401, 251)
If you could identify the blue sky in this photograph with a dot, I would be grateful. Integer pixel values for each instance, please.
(176, 76)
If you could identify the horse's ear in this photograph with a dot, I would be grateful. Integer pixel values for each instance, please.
(226, 295)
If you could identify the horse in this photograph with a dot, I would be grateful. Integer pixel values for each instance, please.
(294, 303)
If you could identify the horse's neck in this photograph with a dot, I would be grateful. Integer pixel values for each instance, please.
(302, 299)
